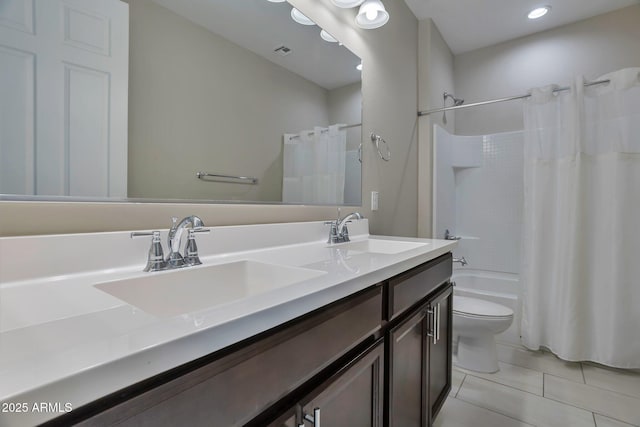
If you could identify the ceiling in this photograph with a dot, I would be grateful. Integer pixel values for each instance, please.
(471, 24)
(261, 26)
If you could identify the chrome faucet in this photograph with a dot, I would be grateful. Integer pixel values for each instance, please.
(156, 260)
(338, 232)
(174, 240)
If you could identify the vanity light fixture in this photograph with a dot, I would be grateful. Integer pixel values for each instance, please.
(538, 12)
(300, 18)
(346, 4)
(372, 14)
(327, 37)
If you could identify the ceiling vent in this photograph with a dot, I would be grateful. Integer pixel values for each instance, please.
(282, 50)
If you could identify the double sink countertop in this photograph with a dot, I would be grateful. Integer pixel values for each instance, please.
(80, 320)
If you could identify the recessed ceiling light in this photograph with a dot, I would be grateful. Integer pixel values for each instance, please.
(300, 18)
(359, 67)
(538, 12)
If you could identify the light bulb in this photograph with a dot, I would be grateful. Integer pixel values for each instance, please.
(372, 14)
(538, 12)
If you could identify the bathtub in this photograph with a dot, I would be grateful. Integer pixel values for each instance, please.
(501, 288)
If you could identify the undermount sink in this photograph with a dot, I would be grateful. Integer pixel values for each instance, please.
(380, 246)
(174, 292)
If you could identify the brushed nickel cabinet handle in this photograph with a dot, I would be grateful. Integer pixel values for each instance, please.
(432, 333)
(315, 419)
(438, 322)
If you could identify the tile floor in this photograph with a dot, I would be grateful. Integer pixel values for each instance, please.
(538, 389)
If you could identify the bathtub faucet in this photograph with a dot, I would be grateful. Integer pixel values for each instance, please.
(461, 260)
(449, 236)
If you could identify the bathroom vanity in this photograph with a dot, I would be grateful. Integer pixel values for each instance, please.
(366, 340)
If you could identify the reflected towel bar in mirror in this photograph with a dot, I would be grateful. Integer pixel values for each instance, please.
(205, 176)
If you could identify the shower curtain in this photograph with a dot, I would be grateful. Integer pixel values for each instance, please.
(314, 166)
(581, 232)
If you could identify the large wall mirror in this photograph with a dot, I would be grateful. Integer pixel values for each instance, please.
(204, 100)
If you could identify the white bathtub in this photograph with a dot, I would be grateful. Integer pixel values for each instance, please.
(501, 288)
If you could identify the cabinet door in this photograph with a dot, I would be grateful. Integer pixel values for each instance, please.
(439, 362)
(407, 370)
(351, 397)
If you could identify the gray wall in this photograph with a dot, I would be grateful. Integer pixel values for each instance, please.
(591, 47)
(198, 102)
(389, 91)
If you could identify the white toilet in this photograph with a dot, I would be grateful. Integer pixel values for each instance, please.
(476, 322)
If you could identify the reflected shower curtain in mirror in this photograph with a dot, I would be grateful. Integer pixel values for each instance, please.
(581, 237)
(314, 166)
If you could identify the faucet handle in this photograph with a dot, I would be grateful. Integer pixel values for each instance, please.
(191, 250)
(449, 236)
(155, 260)
(333, 231)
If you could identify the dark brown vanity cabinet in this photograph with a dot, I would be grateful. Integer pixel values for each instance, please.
(232, 387)
(353, 396)
(440, 350)
(378, 358)
(419, 344)
(407, 371)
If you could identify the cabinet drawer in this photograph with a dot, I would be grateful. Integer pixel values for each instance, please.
(232, 390)
(410, 287)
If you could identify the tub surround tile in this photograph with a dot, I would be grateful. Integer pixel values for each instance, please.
(595, 399)
(540, 361)
(456, 413)
(618, 380)
(523, 406)
(513, 376)
(602, 421)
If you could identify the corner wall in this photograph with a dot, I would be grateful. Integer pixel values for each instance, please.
(435, 75)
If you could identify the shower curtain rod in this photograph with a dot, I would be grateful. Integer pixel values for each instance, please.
(493, 101)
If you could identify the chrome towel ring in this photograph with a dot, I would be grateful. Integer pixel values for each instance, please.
(377, 139)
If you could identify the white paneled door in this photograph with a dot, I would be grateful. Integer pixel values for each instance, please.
(63, 97)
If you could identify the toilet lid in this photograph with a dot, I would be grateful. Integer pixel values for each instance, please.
(478, 307)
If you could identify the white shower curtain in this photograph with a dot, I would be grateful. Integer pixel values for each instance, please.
(581, 233)
(314, 166)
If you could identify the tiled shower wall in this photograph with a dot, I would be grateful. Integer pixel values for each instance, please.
(479, 196)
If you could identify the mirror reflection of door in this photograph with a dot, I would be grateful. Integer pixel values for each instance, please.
(63, 79)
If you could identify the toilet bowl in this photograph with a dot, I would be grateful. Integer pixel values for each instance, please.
(476, 323)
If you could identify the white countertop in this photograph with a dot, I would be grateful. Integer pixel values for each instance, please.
(64, 341)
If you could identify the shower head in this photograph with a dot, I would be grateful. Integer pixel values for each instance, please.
(456, 101)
